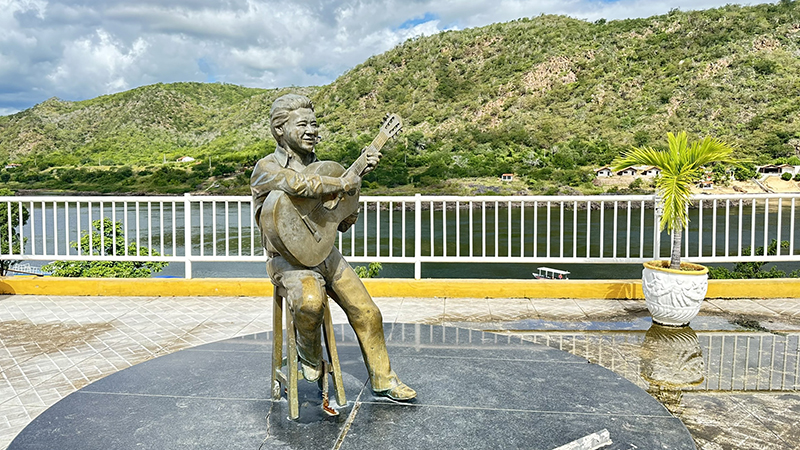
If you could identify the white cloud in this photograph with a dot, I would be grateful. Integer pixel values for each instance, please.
(100, 59)
(78, 49)
(271, 59)
(8, 111)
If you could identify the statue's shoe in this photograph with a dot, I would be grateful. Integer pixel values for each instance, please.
(400, 393)
(310, 373)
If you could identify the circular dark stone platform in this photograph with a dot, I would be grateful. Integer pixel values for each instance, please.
(475, 390)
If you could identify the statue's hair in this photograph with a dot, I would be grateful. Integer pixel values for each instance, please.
(282, 106)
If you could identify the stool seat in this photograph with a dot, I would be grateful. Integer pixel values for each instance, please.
(289, 378)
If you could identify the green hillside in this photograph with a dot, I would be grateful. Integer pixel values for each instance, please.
(547, 98)
(129, 142)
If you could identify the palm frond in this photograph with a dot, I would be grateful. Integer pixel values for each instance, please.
(681, 167)
(642, 156)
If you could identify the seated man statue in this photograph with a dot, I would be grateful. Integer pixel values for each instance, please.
(294, 126)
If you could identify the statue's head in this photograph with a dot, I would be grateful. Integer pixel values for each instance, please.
(281, 110)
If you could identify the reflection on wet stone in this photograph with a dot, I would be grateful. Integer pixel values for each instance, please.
(671, 359)
(733, 359)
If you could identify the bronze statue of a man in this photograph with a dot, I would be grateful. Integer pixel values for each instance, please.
(294, 126)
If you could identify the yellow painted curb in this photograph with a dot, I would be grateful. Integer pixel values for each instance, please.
(385, 287)
(137, 287)
(472, 288)
(762, 288)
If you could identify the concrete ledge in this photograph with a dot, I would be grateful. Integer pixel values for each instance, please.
(385, 287)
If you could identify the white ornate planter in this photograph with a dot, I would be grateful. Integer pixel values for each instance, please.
(673, 297)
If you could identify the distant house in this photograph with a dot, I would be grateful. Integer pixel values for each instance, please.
(778, 169)
(185, 159)
(602, 172)
(770, 169)
(787, 168)
(627, 172)
(507, 177)
(650, 171)
(12, 166)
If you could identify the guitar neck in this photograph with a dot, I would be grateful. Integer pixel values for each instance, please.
(360, 163)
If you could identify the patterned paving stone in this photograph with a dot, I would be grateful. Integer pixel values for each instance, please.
(558, 309)
(740, 306)
(510, 309)
(781, 306)
(467, 310)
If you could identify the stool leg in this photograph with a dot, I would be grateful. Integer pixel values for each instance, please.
(277, 343)
(333, 355)
(291, 355)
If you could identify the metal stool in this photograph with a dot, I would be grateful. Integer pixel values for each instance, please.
(289, 378)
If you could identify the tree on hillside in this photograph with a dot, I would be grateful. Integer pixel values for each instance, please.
(107, 238)
(12, 215)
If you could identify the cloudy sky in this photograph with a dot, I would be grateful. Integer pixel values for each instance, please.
(79, 49)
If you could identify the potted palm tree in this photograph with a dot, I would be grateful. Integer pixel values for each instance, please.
(674, 290)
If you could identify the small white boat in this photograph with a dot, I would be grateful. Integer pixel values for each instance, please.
(26, 269)
(547, 273)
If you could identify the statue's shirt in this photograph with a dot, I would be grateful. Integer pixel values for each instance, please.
(283, 170)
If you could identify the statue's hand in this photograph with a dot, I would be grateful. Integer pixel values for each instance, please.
(348, 221)
(373, 158)
(351, 182)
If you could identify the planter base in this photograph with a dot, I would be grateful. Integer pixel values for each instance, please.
(674, 297)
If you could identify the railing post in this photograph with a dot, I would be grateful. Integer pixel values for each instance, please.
(657, 212)
(187, 235)
(417, 236)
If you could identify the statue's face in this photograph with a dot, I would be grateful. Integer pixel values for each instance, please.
(300, 131)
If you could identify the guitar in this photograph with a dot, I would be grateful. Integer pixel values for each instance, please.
(304, 230)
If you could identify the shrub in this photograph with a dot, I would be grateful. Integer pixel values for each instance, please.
(370, 271)
(754, 269)
(786, 176)
(221, 170)
(797, 177)
(636, 184)
(745, 172)
(19, 217)
(112, 242)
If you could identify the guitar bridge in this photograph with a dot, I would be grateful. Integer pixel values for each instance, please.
(312, 228)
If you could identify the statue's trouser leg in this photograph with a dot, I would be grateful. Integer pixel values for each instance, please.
(304, 291)
(364, 316)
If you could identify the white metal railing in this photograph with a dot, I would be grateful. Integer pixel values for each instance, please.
(412, 229)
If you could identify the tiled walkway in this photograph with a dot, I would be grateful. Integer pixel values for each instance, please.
(52, 346)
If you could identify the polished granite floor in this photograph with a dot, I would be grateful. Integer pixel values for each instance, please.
(748, 357)
(477, 390)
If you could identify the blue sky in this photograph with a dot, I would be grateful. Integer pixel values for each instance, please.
(414, 21)
(80, 49)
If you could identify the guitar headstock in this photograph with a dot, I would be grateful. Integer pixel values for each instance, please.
(392, 124)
